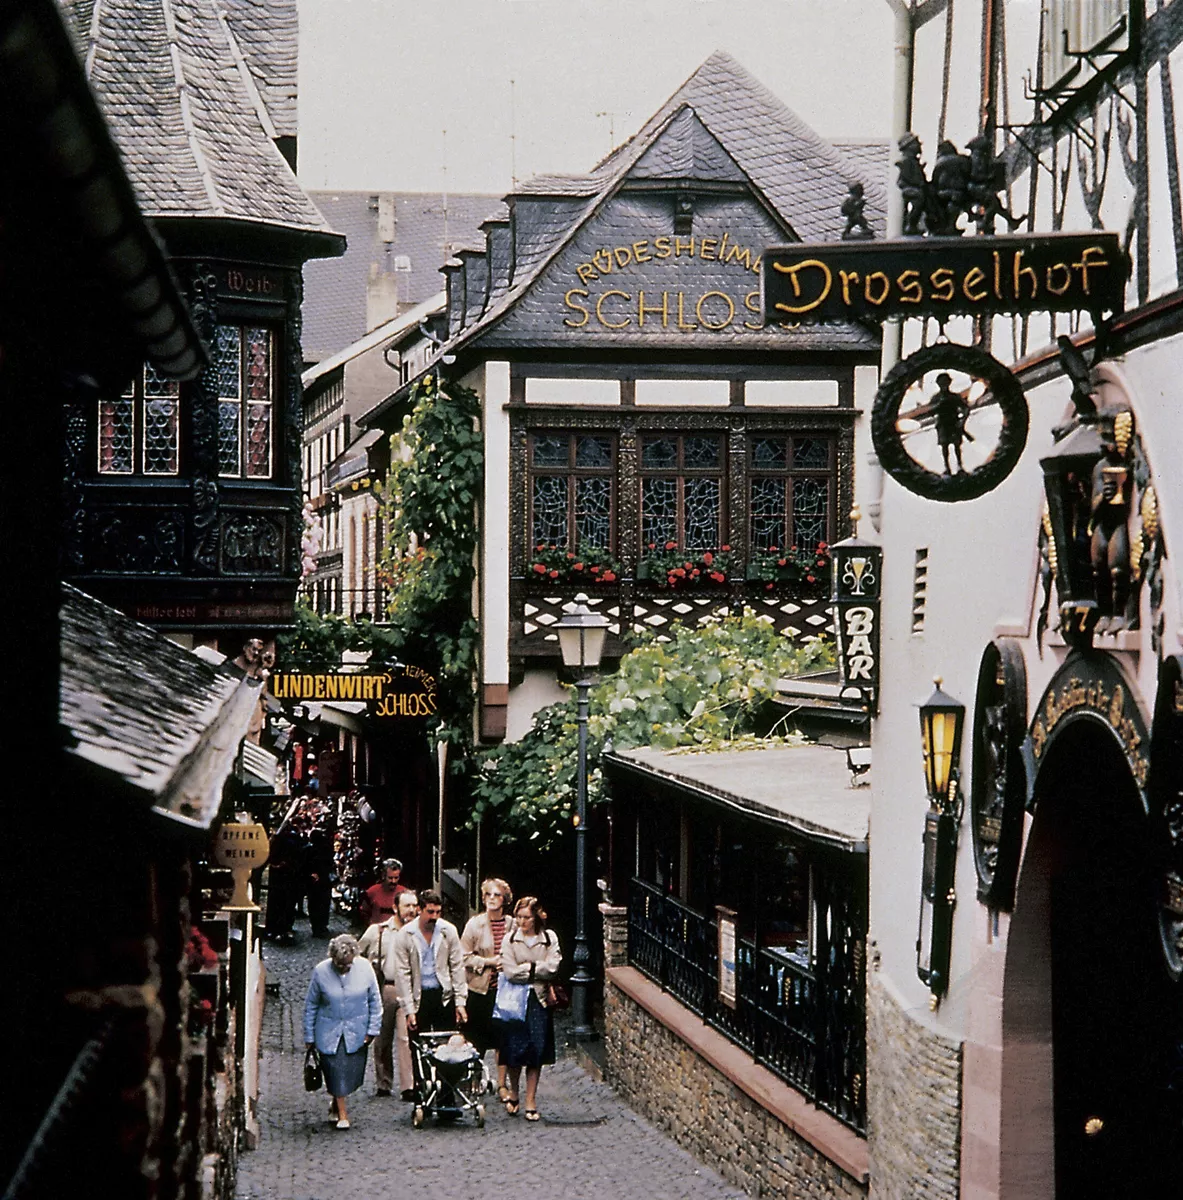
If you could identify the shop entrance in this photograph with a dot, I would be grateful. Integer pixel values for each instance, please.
(1086, 907)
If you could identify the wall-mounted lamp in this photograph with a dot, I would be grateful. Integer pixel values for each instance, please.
(942, 719)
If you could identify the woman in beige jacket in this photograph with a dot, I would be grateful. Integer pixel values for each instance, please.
(530, 955)
(481, 942)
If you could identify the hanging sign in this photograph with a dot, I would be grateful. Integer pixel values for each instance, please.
(944, 276)
(407, 692)
(856, 587)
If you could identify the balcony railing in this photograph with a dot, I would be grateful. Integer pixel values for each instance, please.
(805, 1021)
(633, 607)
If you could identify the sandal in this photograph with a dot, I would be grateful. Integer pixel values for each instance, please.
(511, 1106)
(532, 1114)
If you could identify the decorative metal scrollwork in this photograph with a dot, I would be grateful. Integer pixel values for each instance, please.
(999, 792)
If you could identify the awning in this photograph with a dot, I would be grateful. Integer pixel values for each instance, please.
(259, 766)
(803, 788)
(345, 714)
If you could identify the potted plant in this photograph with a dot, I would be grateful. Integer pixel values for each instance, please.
(557, 564)
(671, 568)
(806, 571)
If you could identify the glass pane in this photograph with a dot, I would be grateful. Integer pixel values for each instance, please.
(156, 385)
(551, 449)
(768, 513)
(702, 514)
(593, 513)
(811, 502)
(811, 453)
(229, 456)
(700, 452)
(258, 441)
(659, 511)
(161, 435)
(659, 452)
(258, 364)
(228, 361)
(770, 453)
(550, 511)
(593, 451)
(117, 435)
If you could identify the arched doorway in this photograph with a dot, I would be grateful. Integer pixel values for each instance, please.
(1090, 1016)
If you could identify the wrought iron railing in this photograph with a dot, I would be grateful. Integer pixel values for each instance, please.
(803, 1020)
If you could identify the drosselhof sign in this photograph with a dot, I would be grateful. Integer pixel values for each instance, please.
(406, 692)
(911, 277)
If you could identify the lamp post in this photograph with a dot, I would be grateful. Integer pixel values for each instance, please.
(942, 720)
(581, 640)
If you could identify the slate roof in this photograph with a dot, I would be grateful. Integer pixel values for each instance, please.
(150, 713)
(186, 111)
(335, 290)
(268, 31)
(724, 118)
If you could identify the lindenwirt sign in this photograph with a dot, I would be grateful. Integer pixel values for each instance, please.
(406, 692)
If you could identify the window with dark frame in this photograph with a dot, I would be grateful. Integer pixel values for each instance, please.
(244, 371)
(792, 486)
(139, 430)
(682, 490)
(573, 490)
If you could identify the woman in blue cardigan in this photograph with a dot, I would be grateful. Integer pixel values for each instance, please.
(342, 1016)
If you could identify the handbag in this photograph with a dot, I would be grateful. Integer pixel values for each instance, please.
(557, 996)
(313, 1074)
(511, 1001)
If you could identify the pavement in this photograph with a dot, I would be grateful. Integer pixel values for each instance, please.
(588, 1146)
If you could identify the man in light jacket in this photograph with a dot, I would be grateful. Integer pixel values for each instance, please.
(429, 974)
(377, 944)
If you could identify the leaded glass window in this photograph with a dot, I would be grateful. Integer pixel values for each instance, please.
(682, 490)
(140, 429)
(572, 490)
(117, 433)
(161, 425)
(243, 369)
(791, 490)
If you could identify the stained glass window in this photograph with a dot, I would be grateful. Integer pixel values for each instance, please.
(117, 427)
(791, 491)
(161, 424)
(573, 489)
(243, 370)
(682, 490)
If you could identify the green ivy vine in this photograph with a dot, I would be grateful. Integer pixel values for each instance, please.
(707, 687)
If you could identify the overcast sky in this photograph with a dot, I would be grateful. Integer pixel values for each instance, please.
(380, 80)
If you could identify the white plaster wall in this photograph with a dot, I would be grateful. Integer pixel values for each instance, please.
(494, 552)
(539, 688)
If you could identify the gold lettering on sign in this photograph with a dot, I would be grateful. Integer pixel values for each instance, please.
(704, 245)
(942, 283)
(972, 284)
(730, 310)
(641, 251)
(682, 324)
(1018, 271)
(1050, 276)
(884, 287)
(910, 290)
(623, 256)
(576, 308)
(586, 272)
(811, 264)
(643, 308)
(752, 303)
(1085, 265)
(847, 277)
(661, 247)
(600, 311)
(740, 254)
(603, 262)
(680, 245)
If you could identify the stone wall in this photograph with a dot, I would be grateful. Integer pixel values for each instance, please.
(662, 1077)
(913, 1103)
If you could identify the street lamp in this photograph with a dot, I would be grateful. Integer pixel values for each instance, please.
(581, 640)
(941, 722)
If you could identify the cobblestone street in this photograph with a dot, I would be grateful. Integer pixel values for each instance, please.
(588, 1145)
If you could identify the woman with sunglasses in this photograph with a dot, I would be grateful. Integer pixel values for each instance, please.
(481, 942)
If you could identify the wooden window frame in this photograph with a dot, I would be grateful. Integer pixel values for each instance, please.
(572, 472)
(788, 474)
(681, 473)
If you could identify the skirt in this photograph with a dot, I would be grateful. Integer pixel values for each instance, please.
(482, 1031)
(344, 1072)
(529, 1043)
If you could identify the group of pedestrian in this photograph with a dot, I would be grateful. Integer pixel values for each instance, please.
(301, 869)
(412, 970)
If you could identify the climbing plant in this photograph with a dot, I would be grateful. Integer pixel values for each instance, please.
(428, 564)
(707, 687)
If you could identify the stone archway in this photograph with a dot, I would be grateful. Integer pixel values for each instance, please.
(1089, 1014)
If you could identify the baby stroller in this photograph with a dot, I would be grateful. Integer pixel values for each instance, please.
(450, 1077)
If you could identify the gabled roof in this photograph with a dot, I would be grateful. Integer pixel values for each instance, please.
(186, 111)
(153, 717)
(726, 122)
(268, 32)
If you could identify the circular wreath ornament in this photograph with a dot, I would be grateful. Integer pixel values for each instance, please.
(955, 412)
